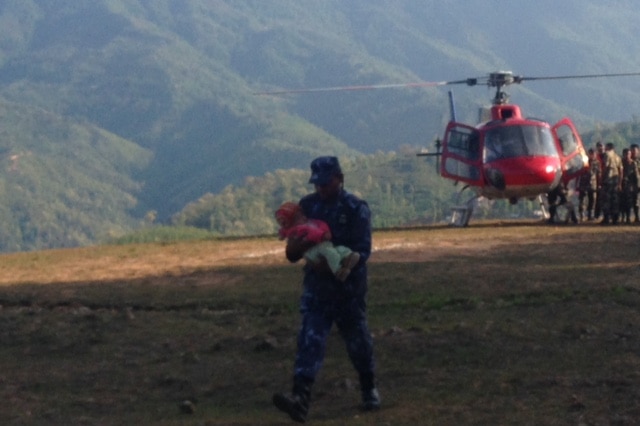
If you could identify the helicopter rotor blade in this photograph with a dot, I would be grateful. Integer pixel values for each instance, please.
(495, 79)
(519, 79)
(468, 81)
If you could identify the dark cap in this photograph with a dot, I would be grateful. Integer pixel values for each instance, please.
(323, 169)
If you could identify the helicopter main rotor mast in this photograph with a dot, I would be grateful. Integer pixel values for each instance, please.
(499, 79)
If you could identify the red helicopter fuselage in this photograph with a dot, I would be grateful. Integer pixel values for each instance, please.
(512, 157)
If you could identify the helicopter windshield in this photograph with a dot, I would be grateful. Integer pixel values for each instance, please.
(518, 141)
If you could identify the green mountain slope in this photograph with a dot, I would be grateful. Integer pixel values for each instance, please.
(134, 69)
(63, 183)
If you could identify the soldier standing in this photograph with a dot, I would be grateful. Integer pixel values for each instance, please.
(629, 185)
(600, 156)
(611, 186)
(635, 155)
(588, 184)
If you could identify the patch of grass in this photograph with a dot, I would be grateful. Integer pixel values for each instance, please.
(485, 325)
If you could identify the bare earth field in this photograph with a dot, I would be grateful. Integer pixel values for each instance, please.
(499, 323)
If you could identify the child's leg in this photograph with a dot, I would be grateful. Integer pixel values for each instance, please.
(349, 259)
(329, 252)
(313, 255)
(343, 251)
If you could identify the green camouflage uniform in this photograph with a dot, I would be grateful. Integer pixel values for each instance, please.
(634, 196)
(629, 189)
(588, 189)
(611, 187)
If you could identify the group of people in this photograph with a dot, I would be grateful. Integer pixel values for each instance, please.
(610, 188)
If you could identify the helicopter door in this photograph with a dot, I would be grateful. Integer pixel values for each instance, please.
(461, 159)
(573, 157)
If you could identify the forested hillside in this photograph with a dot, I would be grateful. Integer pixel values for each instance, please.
(62, 183)
(400, 189)
(170, 85)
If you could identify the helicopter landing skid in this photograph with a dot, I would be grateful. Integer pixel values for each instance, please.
(544, 207)
(461, 214)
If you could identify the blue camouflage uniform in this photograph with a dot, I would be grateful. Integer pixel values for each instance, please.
(326, 300)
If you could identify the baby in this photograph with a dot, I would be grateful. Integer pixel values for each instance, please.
(293, 223)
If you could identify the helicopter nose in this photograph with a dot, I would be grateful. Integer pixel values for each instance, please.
(552, 175)
(522, 177)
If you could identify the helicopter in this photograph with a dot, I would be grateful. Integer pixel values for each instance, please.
(505, 156)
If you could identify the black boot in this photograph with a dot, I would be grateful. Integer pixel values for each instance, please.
(295, 405)
(370, 395)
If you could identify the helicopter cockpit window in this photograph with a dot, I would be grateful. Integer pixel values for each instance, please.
(464, 142)
(517, 141)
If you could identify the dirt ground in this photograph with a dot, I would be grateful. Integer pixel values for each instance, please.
(500, 324)
(139, 261)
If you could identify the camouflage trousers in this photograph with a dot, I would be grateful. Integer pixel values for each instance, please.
(610, 197)
(587, 202)
(349, 315)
